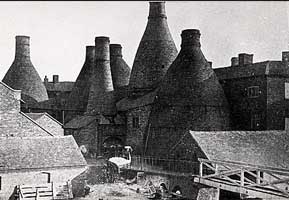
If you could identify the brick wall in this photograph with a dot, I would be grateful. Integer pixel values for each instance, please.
(135, 136)
(10, 180)
(242, 106)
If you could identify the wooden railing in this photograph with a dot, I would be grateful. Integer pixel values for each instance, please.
(246, 179)
(161, 165)
(47, 191)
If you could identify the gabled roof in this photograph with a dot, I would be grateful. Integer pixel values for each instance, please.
(265, 148)
(130, 103)
(36, 116)
(33, 121)
(255, 69)
(64, 86)
(39, 152)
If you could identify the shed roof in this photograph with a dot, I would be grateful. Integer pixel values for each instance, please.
(39, 152)
(130, 103)
(266, 148)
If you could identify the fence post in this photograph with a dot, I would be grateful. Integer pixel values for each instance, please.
(201, 169)
(258, 177)
(242, 177)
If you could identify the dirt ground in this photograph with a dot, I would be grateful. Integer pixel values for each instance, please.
(114, 191)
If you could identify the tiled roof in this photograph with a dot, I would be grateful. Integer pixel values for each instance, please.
(130, 103)
(255, 69)
(36, 116)
(79, 121)
(39, 152)
(64, 86)
(266, 148)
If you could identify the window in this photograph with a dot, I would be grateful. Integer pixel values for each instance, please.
(0, 183)
(255, 121)
(286, 90)
(135, 122)
(253, 91)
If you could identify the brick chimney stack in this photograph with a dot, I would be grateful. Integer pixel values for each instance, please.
(101, 98)
(245, 59)
(234, 61)
(155, 52)
(23, 76)
(120, 71)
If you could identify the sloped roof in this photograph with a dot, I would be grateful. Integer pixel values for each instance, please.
(266, 148)
(130, 103)
(255, 69)
(64, 86)
(80, 121)
(39, 152)
(36, 116)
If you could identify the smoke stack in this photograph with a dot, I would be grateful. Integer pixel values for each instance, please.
(22, 74)
(120, 71)
(245, 59)
(155, 53)
(234, 61)
(101, 98)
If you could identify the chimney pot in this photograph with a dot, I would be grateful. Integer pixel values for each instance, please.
(190, 37)
(210, 64)
(245, 59)
(157, 9)
(45, 79)
(285, 56)
(234, 61)
(55, 78)
(115, 50)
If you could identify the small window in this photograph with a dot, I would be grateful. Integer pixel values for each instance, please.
(0, 183)
(286, 90)
(253, 91)
(255, 121)
(135, 122)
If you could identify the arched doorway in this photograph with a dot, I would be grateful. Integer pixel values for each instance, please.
(112, 146)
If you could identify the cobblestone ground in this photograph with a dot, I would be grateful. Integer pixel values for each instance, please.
(114, 191)
(102, 188)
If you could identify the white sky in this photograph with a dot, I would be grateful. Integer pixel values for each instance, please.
(59, 31)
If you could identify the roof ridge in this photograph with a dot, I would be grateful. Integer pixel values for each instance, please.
(35, 123)
(10, 88)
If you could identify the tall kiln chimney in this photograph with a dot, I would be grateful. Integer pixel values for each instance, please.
(155, 53)
(120, 71)
(78, 98)
(101, 97)
(22, 74)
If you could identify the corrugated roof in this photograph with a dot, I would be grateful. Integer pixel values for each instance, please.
(39, 152)
(266, 148)
(64, 86)
(130, 103)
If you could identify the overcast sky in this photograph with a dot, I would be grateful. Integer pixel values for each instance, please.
(59, 31)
